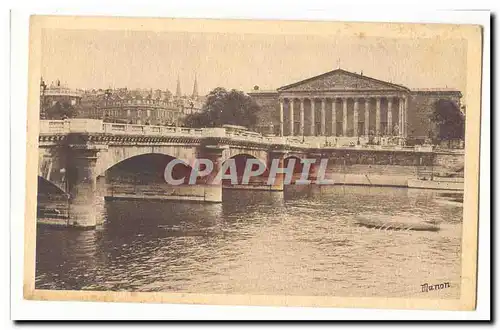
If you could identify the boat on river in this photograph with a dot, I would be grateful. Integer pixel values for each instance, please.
(396, 223)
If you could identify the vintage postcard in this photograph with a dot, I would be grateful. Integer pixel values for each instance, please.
(253, 162)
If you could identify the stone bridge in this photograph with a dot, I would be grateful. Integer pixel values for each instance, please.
(74, 154)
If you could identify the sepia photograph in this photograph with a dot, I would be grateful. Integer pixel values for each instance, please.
(253, 162)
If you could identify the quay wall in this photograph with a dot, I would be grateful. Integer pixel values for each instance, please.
(371, 174)
(451, 161)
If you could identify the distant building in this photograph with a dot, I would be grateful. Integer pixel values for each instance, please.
(140, 106)
(51, 95)
(195, 88)
(56, 92)
(344, 104)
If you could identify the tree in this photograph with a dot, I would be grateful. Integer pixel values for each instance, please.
(449, 121)
(225, 107)
(60, 111)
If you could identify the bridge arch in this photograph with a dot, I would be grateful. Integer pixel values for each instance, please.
(241, 160)
(148, 167)
(115, 155)
(298, 167)
(254, 153)
(241, 163)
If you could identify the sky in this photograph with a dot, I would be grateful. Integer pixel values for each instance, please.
(140, 59)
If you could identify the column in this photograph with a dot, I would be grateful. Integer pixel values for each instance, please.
(313, 169)
(313, 120)
(405, 117)
(278, 183)
(211, 185)
(389, 116)
(377, 116)
(355, 117)
(367, 116)
(291, 116)
(301, 128)
(323, 118)
(334, 117)
(400, 116)
(344, 116)
(281, 118)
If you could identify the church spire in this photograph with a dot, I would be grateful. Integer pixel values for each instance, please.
(178, 90)
(195, 88)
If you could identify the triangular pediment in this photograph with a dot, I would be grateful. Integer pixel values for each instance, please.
(339, 80)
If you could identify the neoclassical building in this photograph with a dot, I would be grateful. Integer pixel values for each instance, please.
(141, 106)
(57, 92)
(344, 104)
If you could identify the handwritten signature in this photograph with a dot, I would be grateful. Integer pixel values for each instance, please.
(426, 287)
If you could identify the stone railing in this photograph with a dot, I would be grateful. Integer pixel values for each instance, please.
(98, 126)
(71, 126)
(130, 129)
(244, 135)
(54, 126)
(424, 148)
(81, 125)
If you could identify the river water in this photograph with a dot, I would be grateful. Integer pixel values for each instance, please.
(300, 242)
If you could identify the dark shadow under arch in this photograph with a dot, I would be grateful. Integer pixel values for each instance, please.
(241, 159)
(298, 165)
(146, 168)
(48, 188)
(52, 200)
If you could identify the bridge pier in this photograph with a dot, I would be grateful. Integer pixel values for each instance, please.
(82, 186)
(313, 170)
(279, 156)
(212, 187)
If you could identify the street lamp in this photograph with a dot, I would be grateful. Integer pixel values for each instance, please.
(43, 87)
(107, 94)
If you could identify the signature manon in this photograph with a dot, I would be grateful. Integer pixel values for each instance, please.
(431, 287)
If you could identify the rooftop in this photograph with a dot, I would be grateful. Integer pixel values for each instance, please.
(435, 90)
(263, 91)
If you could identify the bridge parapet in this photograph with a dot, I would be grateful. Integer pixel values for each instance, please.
(82, 125)
(70, 126)
(98, 126)
(130, 129)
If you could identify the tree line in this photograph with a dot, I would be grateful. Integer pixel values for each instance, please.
(449, 121)
(222, 107)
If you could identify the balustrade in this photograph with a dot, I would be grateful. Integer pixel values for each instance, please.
(97, 126)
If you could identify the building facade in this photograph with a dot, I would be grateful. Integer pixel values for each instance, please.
(57, 99)
(350, 107)
(56, 92)
(140, 106)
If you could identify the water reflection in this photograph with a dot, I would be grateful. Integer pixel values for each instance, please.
(302, 242)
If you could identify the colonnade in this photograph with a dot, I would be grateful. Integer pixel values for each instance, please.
(391, 114)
